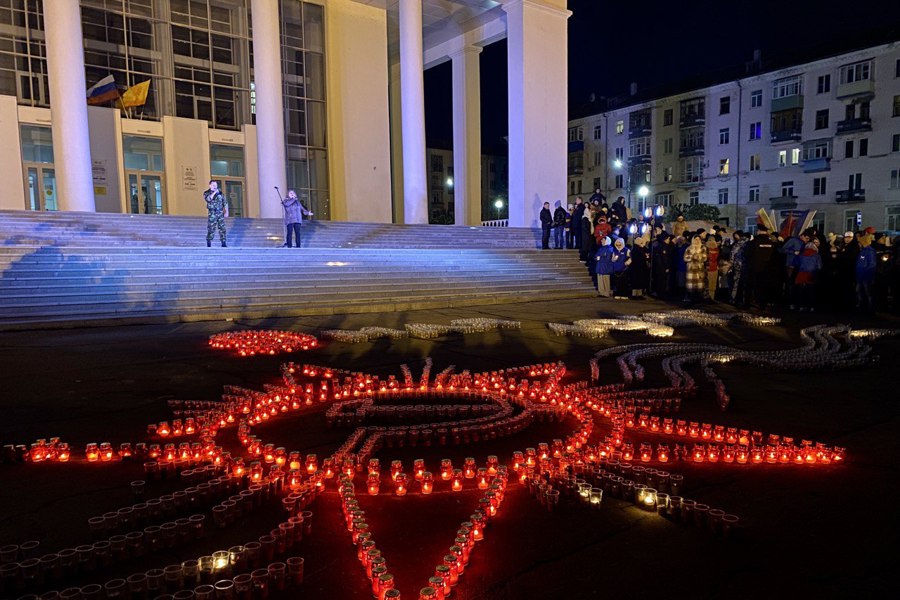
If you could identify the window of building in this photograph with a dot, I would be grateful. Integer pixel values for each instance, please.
(724, 105)
(639, 147)
(897, 68)
(668, 116)
(895, 179)
(787, 87)
(754, 162)
(787, 189)
(754, 194)
(896, 110)
(855, 181)
(694, 198)
(723, 166)
(723, 196)
(756, 130)
(598, 158)
(620, 181)
(694, 108)
(864, 147)
(598, 131)
(571, 188)
(579, 186)
(852, 220)
(723, 136)
(819, 186)
(814, 150)
(691, 138)
(822, 119)
(576, 134)
(860, 71)
(824, 84)
(664, 199)
(691, 170)
(620, 127)
(795, 156)
(620, 153)
(782, 158)
(895, 142)
(667, 174)
(848, 149)
(892, 215)
(756, 99)
(668, 145)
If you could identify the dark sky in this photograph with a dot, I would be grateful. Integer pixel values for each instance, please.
(655, 44)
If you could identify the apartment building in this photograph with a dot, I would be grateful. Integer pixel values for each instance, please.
(823, 135)
(442, 186)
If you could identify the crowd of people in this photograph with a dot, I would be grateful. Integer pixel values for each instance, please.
(633, 257)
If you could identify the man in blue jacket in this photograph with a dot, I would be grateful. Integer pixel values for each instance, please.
(865, 274)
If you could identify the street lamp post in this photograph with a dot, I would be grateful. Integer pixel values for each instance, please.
(498, 205)
(618, 164)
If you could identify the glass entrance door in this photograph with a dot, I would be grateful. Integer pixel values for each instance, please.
(234, 192)
(40, 188)
(145, 194)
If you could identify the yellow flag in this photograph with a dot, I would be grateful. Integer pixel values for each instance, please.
(136, 95)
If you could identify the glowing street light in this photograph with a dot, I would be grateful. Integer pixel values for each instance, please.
(643, 191)
(498, 204)
(617, 163)
(449, 182)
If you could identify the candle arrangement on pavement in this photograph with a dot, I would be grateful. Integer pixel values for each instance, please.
(268, 341)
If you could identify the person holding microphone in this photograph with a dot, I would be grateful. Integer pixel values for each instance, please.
(294, 211)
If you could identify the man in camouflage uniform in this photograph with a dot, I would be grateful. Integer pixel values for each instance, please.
(216, 207)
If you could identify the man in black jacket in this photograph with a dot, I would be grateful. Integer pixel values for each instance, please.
(559, 226)
(577, 214)
(619, 211)
(546, 223)
(760, 266)
(662, 262)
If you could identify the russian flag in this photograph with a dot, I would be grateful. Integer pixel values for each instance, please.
(103, 91)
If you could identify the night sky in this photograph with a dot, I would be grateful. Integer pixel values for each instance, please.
(660, 45)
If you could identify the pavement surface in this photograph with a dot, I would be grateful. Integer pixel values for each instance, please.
(828, 531)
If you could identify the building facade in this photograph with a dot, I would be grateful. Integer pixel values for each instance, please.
(824, 135)
(442, 186)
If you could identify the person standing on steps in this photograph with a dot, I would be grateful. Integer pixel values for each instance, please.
(546, 224)
(217, 210)
(294, 211)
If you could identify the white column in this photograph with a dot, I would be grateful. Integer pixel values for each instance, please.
(538, 106)
(71, 137)
(412, 101)
(269, 106)
(467, 136)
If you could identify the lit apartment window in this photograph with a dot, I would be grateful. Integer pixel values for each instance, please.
(824, 84)
(787, 87)
(782, 158)
(756, 130)
(723, 166)
(754, 162)
(787, 189)
(860, 71)
(754, 194)
(795, 156)
(723, 136)
(819, 186)
(756, 99)
(620, 127)
(694, 198)
(597, 132)
(822, 119)
(723, 196)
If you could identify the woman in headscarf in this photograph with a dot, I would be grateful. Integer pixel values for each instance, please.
(621, 261)
(640, 267)
(695, 279)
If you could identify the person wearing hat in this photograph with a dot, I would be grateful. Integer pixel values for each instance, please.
(761, 267)
(618, 210)
(621, 262)
(712, 266)
(866, 264)
(294, 211)
(845, 272)
(546, 223)
(695, 258)
(662, 255)
(603, 267)
(738, 284)
(679, 227)
(809, 264)
(640, 267)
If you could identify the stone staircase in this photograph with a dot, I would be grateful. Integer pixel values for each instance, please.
(66, 270)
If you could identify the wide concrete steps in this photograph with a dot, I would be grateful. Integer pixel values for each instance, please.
(44, 286)
(92, 229)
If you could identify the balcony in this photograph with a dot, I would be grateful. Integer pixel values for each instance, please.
(788, 103)
(576, 146)
(641, 159)
(854, 125)
(783, 202)
(687, 151)
(848, 196)
(786, 135)
(866, 87)
(639, 131)
(577, 170)
(814, 165)
(690, 183)
(692, 120)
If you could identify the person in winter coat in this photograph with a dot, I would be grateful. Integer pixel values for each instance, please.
(601, 229)
(570, 230)
(559, 227)
(618, 210)
(546, 224)
(712, 266)
(738, 284)
(587, 234)
(679, 227)
(577, 215)
(639, 270)
(662, 261)
(294, 211)
(603, 266)
(621, 262)
(866, 263)
(760, 268)
(681, 246)
(695, 259)
(809, 264)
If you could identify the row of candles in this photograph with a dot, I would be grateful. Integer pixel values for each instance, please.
(420, 330)
(267, 341)
(655, 324)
